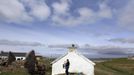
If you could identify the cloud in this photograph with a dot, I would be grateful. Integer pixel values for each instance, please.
(114, 50)
(23, 11)
(111, 50)
(37, 9)
(63, 16)
(105, 11)
(108, 50)
(19, 43)
(123, 40)
(62, 46)
(13, 11)
(67, 19)
(61, 8)
(126, 17)
(19, 11)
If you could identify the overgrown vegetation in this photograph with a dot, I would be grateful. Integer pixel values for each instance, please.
(113, 67)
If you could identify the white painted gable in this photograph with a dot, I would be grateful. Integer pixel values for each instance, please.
(78, 64)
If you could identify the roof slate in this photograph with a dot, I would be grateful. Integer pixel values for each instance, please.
(15, 53)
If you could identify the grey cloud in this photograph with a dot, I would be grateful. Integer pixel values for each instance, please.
(61, 46)
(113, 51)
(108, 50)
(100, 50)
(95, 51)
(19, 43)
(123, 40)
(126, 17)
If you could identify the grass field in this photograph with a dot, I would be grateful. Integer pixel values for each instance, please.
(120, 66)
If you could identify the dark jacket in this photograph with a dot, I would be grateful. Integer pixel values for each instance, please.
(67, 65)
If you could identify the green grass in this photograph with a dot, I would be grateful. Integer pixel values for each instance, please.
(17, 72)
(120, 66)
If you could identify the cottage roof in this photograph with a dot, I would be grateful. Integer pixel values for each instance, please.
(19, 54)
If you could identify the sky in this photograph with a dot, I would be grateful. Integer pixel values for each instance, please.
(102, 28)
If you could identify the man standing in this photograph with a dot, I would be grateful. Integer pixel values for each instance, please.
(67, 67)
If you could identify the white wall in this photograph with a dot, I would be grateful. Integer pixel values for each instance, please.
(23, 58)
(77, 64)
(4, 57)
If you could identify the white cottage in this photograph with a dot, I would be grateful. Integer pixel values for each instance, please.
(18, 55)
(78, 63)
